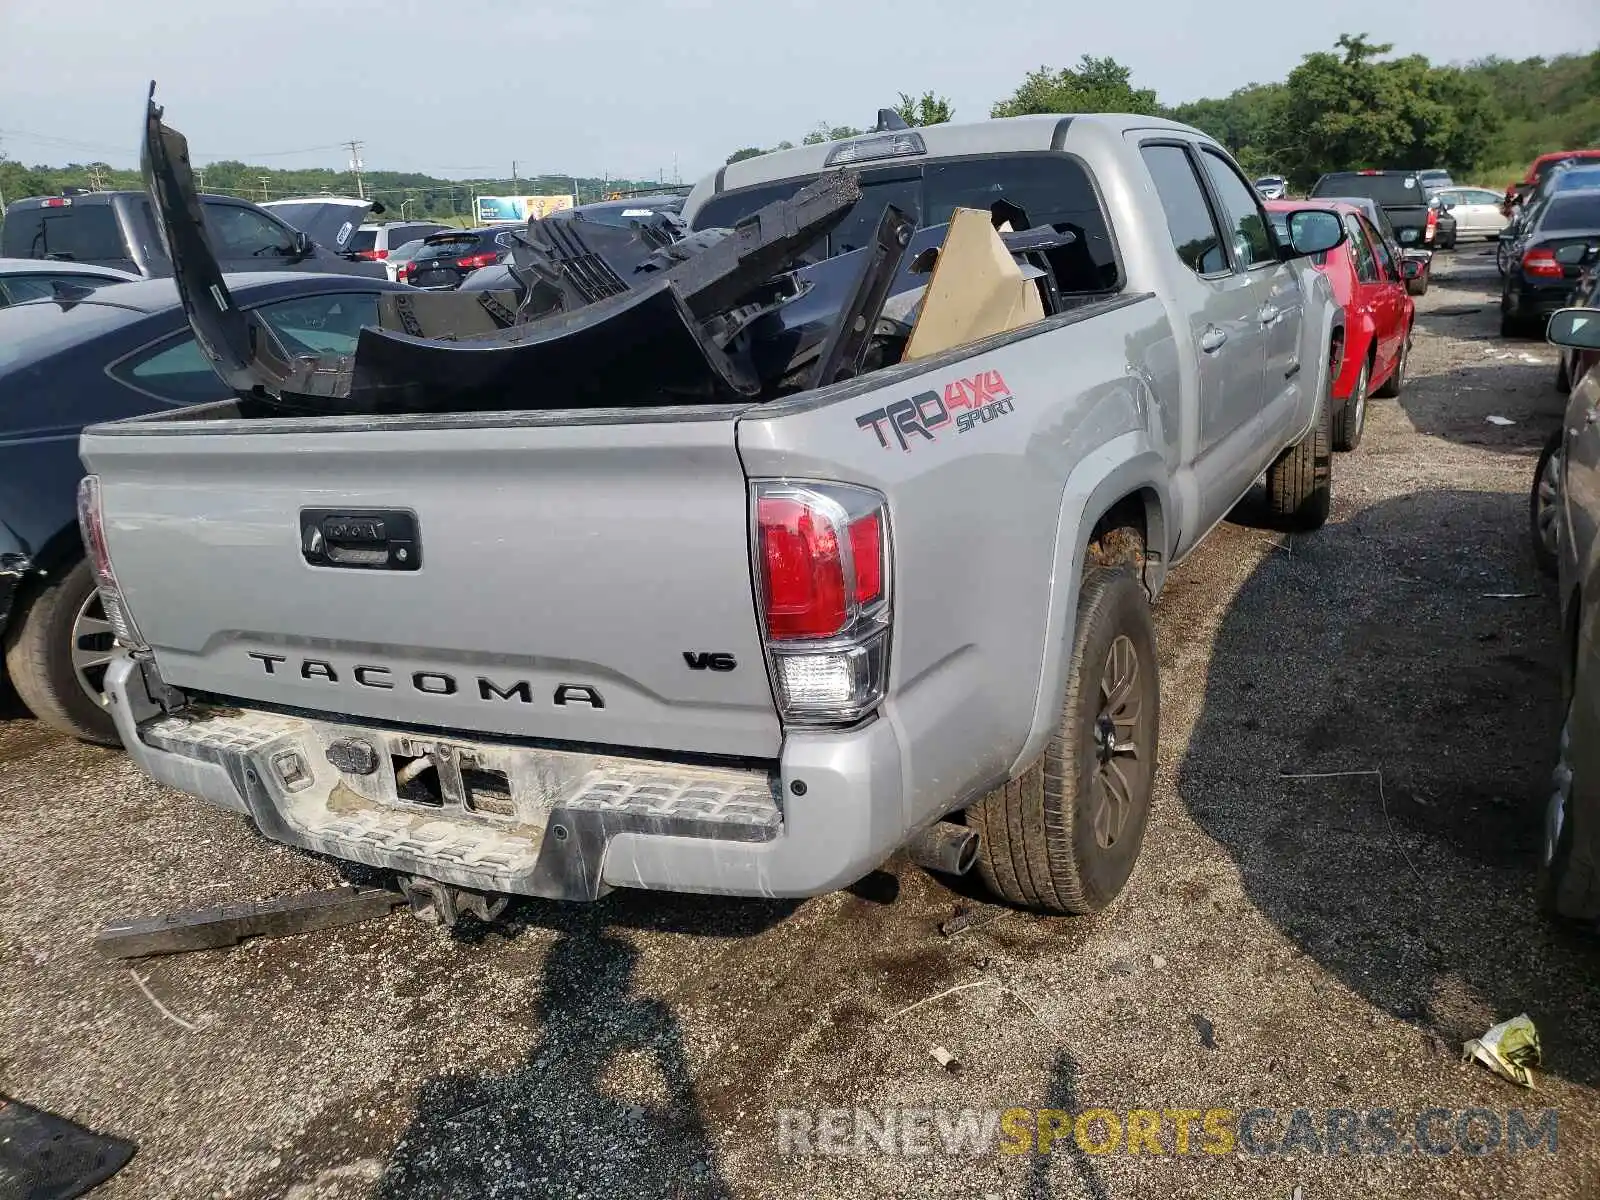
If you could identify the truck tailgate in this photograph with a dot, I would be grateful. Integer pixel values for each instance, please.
(588, 583)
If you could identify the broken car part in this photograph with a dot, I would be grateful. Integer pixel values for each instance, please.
(225, 924)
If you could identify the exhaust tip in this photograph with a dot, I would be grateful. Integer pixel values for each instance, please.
(946, 847)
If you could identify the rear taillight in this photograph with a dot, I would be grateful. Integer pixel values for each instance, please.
(91, 522)
(1433, 225)
(823, 562)
(404, 270)
(473, 261)
(1542, 263)
(371, 255)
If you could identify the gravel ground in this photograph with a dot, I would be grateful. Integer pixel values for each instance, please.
(1285, 943)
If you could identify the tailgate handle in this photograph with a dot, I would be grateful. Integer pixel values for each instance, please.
(361, 539)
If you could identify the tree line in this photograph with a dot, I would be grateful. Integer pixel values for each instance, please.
(417, 195)
(1354, 106)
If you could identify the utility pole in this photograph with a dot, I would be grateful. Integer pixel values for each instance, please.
(355, 167)
(514, 189)
(263, 181)
(202, 180)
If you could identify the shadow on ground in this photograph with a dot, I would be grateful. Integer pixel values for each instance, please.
(1374, 648)
(562, 1123)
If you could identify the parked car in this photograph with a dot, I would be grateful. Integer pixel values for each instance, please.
(1537, 282)
(1565, 507)
(733, 648)
(1369, 281)
(1476, 211)
(1538, 169)
(1272, 187)
(29, 279)
(622, 212)
(119, 351)
(1435, 179)
(445, 259)
(399, 259)
(1419, 221)
(116, 229)
(1416, 265)
(376, 243)
(1573, 363)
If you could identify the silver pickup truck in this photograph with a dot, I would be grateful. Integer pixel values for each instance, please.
(750, 647)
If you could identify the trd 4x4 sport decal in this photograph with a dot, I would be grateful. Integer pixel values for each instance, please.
(965, 402)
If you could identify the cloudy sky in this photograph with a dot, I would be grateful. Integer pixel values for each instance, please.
(627, 87)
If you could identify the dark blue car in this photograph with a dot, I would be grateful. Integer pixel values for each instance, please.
(117, 352)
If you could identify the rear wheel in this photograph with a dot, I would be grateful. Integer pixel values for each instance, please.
(58, 648)
(1544, 509)
(1352, 416)
(1502, 256)
(1065, 835)
(1569, 883)
(1300, 483)
(1392, 386)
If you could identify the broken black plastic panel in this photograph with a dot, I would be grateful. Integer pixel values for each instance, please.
(845, 353)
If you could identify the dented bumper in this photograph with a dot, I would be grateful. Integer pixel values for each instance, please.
(563, 824)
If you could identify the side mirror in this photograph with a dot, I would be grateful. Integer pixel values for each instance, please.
(1573, 254)
(1314, 231)
(1575, 328)
(303, 245)
(1411, 268)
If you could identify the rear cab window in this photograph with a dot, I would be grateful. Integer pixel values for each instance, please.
(1572, 212)
(450, 245)
(1398, 190)
(71, 233)
(1030, 189)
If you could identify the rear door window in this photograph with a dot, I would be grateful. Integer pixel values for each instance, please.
(176, 370)
(1380, 250)
(1190, 223)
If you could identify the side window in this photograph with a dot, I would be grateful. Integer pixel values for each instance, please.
(241, 232)
(1380, 251)
(1194, 231)
(86, 233)
(179, 372)
(174, 370)
(328, 324)
(1366, 265)
(1247, 225)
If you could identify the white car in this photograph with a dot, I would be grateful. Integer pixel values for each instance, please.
(400, 257)
(1476, 210)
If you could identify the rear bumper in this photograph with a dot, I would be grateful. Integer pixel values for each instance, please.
(556, 823)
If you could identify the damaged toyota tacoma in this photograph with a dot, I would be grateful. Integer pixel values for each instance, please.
(731, 552)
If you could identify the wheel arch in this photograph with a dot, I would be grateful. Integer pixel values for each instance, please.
(1121, 484)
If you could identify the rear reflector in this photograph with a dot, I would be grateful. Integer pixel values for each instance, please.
(822, 559)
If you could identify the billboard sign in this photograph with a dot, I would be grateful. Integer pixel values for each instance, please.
(495, 210)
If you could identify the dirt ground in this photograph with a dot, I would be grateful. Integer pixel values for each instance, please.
(1285, 942)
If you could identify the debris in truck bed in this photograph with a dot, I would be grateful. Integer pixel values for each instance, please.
(225, 924)
(977, 289)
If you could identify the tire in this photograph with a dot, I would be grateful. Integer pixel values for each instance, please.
(1502, 256)
(1543, 506)
(1392, 386)
(1569, 885)
(44, 630)
(1059, 839)
(1300, 482)
(1418, 287)
(1351, 418)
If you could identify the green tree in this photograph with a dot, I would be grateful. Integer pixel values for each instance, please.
(1096, 85)
(926, 109)
(1249, 122)
(747, 152)
(829, 133)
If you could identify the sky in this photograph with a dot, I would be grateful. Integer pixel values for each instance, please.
(635, 88)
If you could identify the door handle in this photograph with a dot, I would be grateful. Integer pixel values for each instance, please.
(1212, 339)
(1268, 314)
